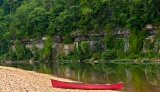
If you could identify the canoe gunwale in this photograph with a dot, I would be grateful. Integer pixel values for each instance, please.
(85, 86)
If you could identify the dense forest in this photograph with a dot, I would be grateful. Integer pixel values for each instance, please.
(34, 19)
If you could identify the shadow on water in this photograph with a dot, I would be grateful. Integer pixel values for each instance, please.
(136, 77)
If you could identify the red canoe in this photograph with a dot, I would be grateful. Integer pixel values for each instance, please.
(69, 85)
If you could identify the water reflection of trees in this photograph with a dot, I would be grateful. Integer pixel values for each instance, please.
(93, 73)
(152, 74)
(137, 77)
(43, 67)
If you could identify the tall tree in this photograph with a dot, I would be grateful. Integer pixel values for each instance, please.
(48, 48)
(22, 20)
(38, 22)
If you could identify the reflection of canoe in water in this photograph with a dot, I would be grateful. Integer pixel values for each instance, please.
(69, 85)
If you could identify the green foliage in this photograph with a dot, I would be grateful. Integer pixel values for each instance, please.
(109, 54)
(86, 11)
(122, 55)
(11, 54)
(94, 38)
(4, 47)
(98, 47)
(28, 53)
(22, 19)
(38, 22)
(21, 51)
(108, 28)
(80, 53)
(136, 41)
(108, 39)
(34, 50)
(41, 57)
(68, 39)
(19, 47)
(138, 56)
(60, 56)
(48, 47)
(60, 17)
(85, 47)
(96, 56)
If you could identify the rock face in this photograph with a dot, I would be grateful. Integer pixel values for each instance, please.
(17, 80)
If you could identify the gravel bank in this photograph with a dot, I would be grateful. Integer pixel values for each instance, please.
(18, 80)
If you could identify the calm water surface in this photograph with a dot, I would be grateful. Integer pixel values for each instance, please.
(136, 77)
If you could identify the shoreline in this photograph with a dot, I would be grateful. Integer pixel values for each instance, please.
(18, 80)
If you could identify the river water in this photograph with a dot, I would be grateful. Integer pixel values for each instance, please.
(136, 77)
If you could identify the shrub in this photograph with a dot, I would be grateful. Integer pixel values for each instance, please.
(85, 47)
(98, 47)
(68, 39)
(60, 56)
(96, 56)
(40, 51)
(19, 49)
(122, 55)
(28, 53)
(109, 54)
(94, 38)
(134, 56)
(11, 54)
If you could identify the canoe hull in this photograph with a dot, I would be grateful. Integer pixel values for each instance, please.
(69, 85)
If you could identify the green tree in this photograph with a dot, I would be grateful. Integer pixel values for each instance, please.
(109, 54)
(11, 54)
(2, 24)
(85, 47)
(10, 6)
(48, 47)
(38, 22)
(19, 49)
(4, 46)
(136, 41)
(22, 20)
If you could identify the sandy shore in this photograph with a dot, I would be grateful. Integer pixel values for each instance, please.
(18, 80)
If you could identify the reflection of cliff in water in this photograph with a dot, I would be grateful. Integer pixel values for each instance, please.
(129, 85)
(136, 77)
(152, 76)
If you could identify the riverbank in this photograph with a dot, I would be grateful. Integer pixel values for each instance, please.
(18, 80)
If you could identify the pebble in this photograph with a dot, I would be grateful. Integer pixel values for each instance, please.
(18, 80)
